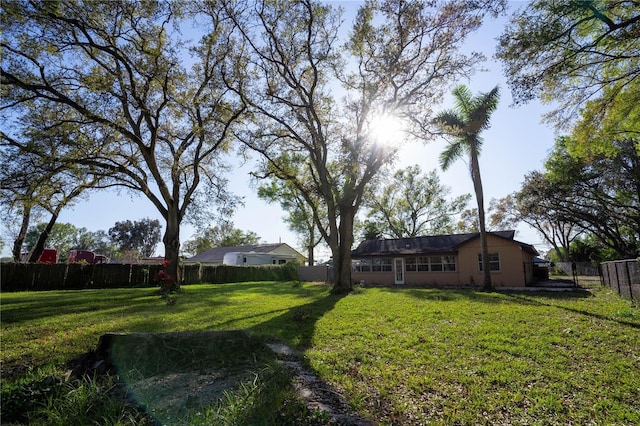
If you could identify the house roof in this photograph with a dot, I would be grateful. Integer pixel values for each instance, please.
(427, 244)
(216, 254)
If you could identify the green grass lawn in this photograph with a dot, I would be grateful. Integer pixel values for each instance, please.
(401, 356)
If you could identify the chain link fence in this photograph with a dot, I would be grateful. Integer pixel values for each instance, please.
(623, 276)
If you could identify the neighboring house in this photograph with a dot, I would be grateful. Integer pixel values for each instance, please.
(257, 254)
(444, 260)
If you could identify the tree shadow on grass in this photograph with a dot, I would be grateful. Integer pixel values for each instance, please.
(453, 295)
(477, 295)
(296, 325)
(534, 298)
(172, 375)
(296, 328)
(37, 305)
(449, 295)
(32, 306)
(523, 299)
(269, 288)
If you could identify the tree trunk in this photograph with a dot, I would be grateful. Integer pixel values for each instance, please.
(171, 242)
(342, 253)
(486, 266)
(42, 239)
(566, 254)
(19, 241)
(311, 246)
(310, 259)
(484, 250)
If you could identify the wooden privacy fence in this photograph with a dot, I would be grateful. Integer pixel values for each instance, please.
(581, 268)
(315, 273)
(623, 276)
(61, 276)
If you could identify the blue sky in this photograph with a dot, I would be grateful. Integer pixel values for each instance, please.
(516, 143)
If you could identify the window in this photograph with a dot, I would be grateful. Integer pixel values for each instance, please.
(363, 265)
(373, 265)
(449, 263)
(410, 264)
(376, 266)
(381, 265)
(387, 265)
(435, 263)
(423, 263)
(431, 263)
(494, 261)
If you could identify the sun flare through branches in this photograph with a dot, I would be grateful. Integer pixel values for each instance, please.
(387, 129)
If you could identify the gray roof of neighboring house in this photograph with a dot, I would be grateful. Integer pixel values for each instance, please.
(216, 254)
(428, 244)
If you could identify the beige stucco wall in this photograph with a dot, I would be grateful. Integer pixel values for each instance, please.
(373, 278)
(511, 274)
(432, 278)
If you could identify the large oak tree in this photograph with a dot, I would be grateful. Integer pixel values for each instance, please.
(319, 100)
(600, 194)
(538, 204)
(155, 114)
(571, 52)
(571, 197)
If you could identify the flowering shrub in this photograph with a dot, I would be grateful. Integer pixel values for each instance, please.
(164, 280)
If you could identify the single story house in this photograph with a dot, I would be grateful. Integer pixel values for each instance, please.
(254, 254)
(444, 260)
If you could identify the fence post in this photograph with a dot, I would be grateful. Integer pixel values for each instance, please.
(601, 274)
(630, 273)
(626, 267)
(617, 277)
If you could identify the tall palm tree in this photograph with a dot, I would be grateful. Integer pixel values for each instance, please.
(464, 124)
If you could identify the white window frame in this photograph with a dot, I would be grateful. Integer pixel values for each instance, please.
(449, 263)
(445, 263)
(363, 265)
(494, 259)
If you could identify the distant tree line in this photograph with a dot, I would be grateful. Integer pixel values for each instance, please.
(129, 240)
(125, 239)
